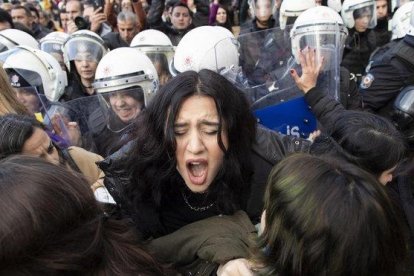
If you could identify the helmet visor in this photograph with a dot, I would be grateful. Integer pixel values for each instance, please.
(160, 62)
(122, 107)
(81, 50)
(326, 47)
(364, 14)
(223, 55)
(263, 9)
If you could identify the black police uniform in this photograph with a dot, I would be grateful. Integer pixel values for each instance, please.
(387, 76)
(358, 48)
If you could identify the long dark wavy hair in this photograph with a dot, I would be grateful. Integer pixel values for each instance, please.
(153, 164)
(52, 225)
(368, 140)
(329, 217)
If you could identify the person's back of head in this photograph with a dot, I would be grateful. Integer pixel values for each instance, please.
(52, 225)
(328, 217)
(370, 141)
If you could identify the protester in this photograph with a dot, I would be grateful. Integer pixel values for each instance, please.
(325, 216)
(46, 206)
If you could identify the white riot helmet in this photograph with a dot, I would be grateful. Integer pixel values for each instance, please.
(83, 45)
(322, 29)
(158, 47)
(401, 20)
(194, 52)
(52, 43)
(125, 68)
(411, 28)
(11, 38)
(335, 4)
(353, 9)
(35, 69)
(291, 9)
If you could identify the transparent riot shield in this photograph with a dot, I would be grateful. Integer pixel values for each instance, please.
(44, 110)
(267, 58)
(104, 119)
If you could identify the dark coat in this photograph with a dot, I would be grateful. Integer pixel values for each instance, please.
(113, 40)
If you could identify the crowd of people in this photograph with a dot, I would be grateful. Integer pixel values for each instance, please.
(196, 137)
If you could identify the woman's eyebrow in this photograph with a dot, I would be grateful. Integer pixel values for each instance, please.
(209, 123)
(180, 124)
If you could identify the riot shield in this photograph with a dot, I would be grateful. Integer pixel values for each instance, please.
(267, 58)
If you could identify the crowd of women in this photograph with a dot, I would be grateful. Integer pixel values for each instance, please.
(108, 168)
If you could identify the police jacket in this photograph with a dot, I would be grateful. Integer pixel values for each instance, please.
(387, 76)
(349, 95)
(269, 148)
(358, 48)
(383, 35)
(253, 49)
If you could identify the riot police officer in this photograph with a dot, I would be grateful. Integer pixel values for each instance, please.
(388, 75)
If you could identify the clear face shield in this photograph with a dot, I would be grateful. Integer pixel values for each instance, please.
(223, 58)
(5, 44)
(327, 40)
(121, 108)
(55, 49)
(83, 49)
(264, 54)
(365, 15)
(161, 57)
(29, 92)
(262, 9)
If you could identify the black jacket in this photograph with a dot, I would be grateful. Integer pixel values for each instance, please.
(358, 48)
(113, 40)
(387, 76)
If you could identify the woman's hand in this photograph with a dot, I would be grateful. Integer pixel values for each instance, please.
(237, 267)
(314, 135)
(310, 70)
(66, 129)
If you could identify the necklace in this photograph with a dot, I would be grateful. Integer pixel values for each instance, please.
(196, 209)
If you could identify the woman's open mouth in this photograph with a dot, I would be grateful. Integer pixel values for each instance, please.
(197, 171)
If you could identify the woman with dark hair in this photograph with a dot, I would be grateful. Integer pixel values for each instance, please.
(219, 16)
(326, 217)
(192, 155)
(25, 135)
(196, 167)
(52, 225)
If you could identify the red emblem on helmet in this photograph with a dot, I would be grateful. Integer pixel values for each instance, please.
(188, 61)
